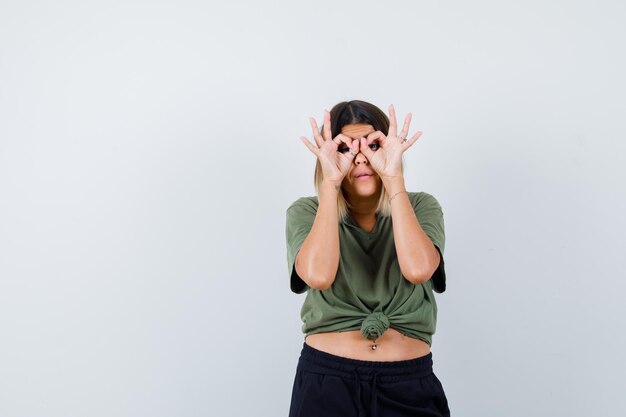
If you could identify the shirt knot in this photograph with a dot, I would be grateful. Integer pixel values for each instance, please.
(374, 325)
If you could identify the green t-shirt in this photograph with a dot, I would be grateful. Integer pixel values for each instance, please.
(369, 292)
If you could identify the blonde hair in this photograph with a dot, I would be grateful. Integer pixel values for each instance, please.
(343, 206)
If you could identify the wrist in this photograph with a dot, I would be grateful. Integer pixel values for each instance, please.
(394, 184)
(330, 186)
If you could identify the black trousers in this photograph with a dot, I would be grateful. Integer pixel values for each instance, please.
(326, 385)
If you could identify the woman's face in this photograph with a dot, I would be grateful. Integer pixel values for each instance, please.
(355, 184)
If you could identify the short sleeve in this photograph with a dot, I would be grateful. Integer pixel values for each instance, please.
(430, 216)
(300, 217)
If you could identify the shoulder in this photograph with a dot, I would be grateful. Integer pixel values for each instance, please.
(304, 204)
(422, 199)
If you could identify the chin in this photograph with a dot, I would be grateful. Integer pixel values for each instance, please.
(366, 191)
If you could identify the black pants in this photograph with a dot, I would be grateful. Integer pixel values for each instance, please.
(326, 385)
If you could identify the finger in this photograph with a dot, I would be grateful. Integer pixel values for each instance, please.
(365, 149)
(351, 143)
(354, 150)
(405, 128)
(310, 146)
(413, 140)
(377, 135)
(356, 144)
(316, 132)
(343, 139)
(393, 126)
(345, 157)
(327, 133)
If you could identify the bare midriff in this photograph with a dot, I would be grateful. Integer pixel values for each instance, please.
(391, 346)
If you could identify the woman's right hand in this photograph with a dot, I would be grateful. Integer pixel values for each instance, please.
(335, 164)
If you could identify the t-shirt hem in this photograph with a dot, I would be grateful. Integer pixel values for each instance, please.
(424, 338)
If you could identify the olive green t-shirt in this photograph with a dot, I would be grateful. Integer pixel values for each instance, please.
(369, 292)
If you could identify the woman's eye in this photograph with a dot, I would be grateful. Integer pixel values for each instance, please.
(343, 149)
(374, 146)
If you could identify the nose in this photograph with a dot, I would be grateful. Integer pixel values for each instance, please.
(360, 159)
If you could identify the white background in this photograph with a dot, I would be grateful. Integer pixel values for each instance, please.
(149, 150)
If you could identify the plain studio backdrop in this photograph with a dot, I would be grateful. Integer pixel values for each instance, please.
(149, 151)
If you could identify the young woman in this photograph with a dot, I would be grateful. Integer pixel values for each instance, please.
(369, 255)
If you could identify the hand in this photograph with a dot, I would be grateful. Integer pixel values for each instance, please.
(387, 159)
(335, 165)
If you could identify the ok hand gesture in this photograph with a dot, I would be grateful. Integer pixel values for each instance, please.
(335, 165)
(387, 159)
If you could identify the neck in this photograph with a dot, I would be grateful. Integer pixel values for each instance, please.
(363, 207)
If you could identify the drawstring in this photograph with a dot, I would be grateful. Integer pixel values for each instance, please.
(357, 381)
(373, 392)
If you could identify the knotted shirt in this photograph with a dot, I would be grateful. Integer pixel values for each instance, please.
(369, 292)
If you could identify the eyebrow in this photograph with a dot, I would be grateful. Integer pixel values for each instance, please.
(365, 135)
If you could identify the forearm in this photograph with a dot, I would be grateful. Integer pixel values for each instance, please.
(417, 256)
(318, 258)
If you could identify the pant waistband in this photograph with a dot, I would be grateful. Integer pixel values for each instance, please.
(317, 361)
(390, 371)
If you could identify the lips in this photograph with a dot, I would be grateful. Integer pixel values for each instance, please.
(363, 175)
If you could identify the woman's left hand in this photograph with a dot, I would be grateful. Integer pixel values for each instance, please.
(387, 159)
